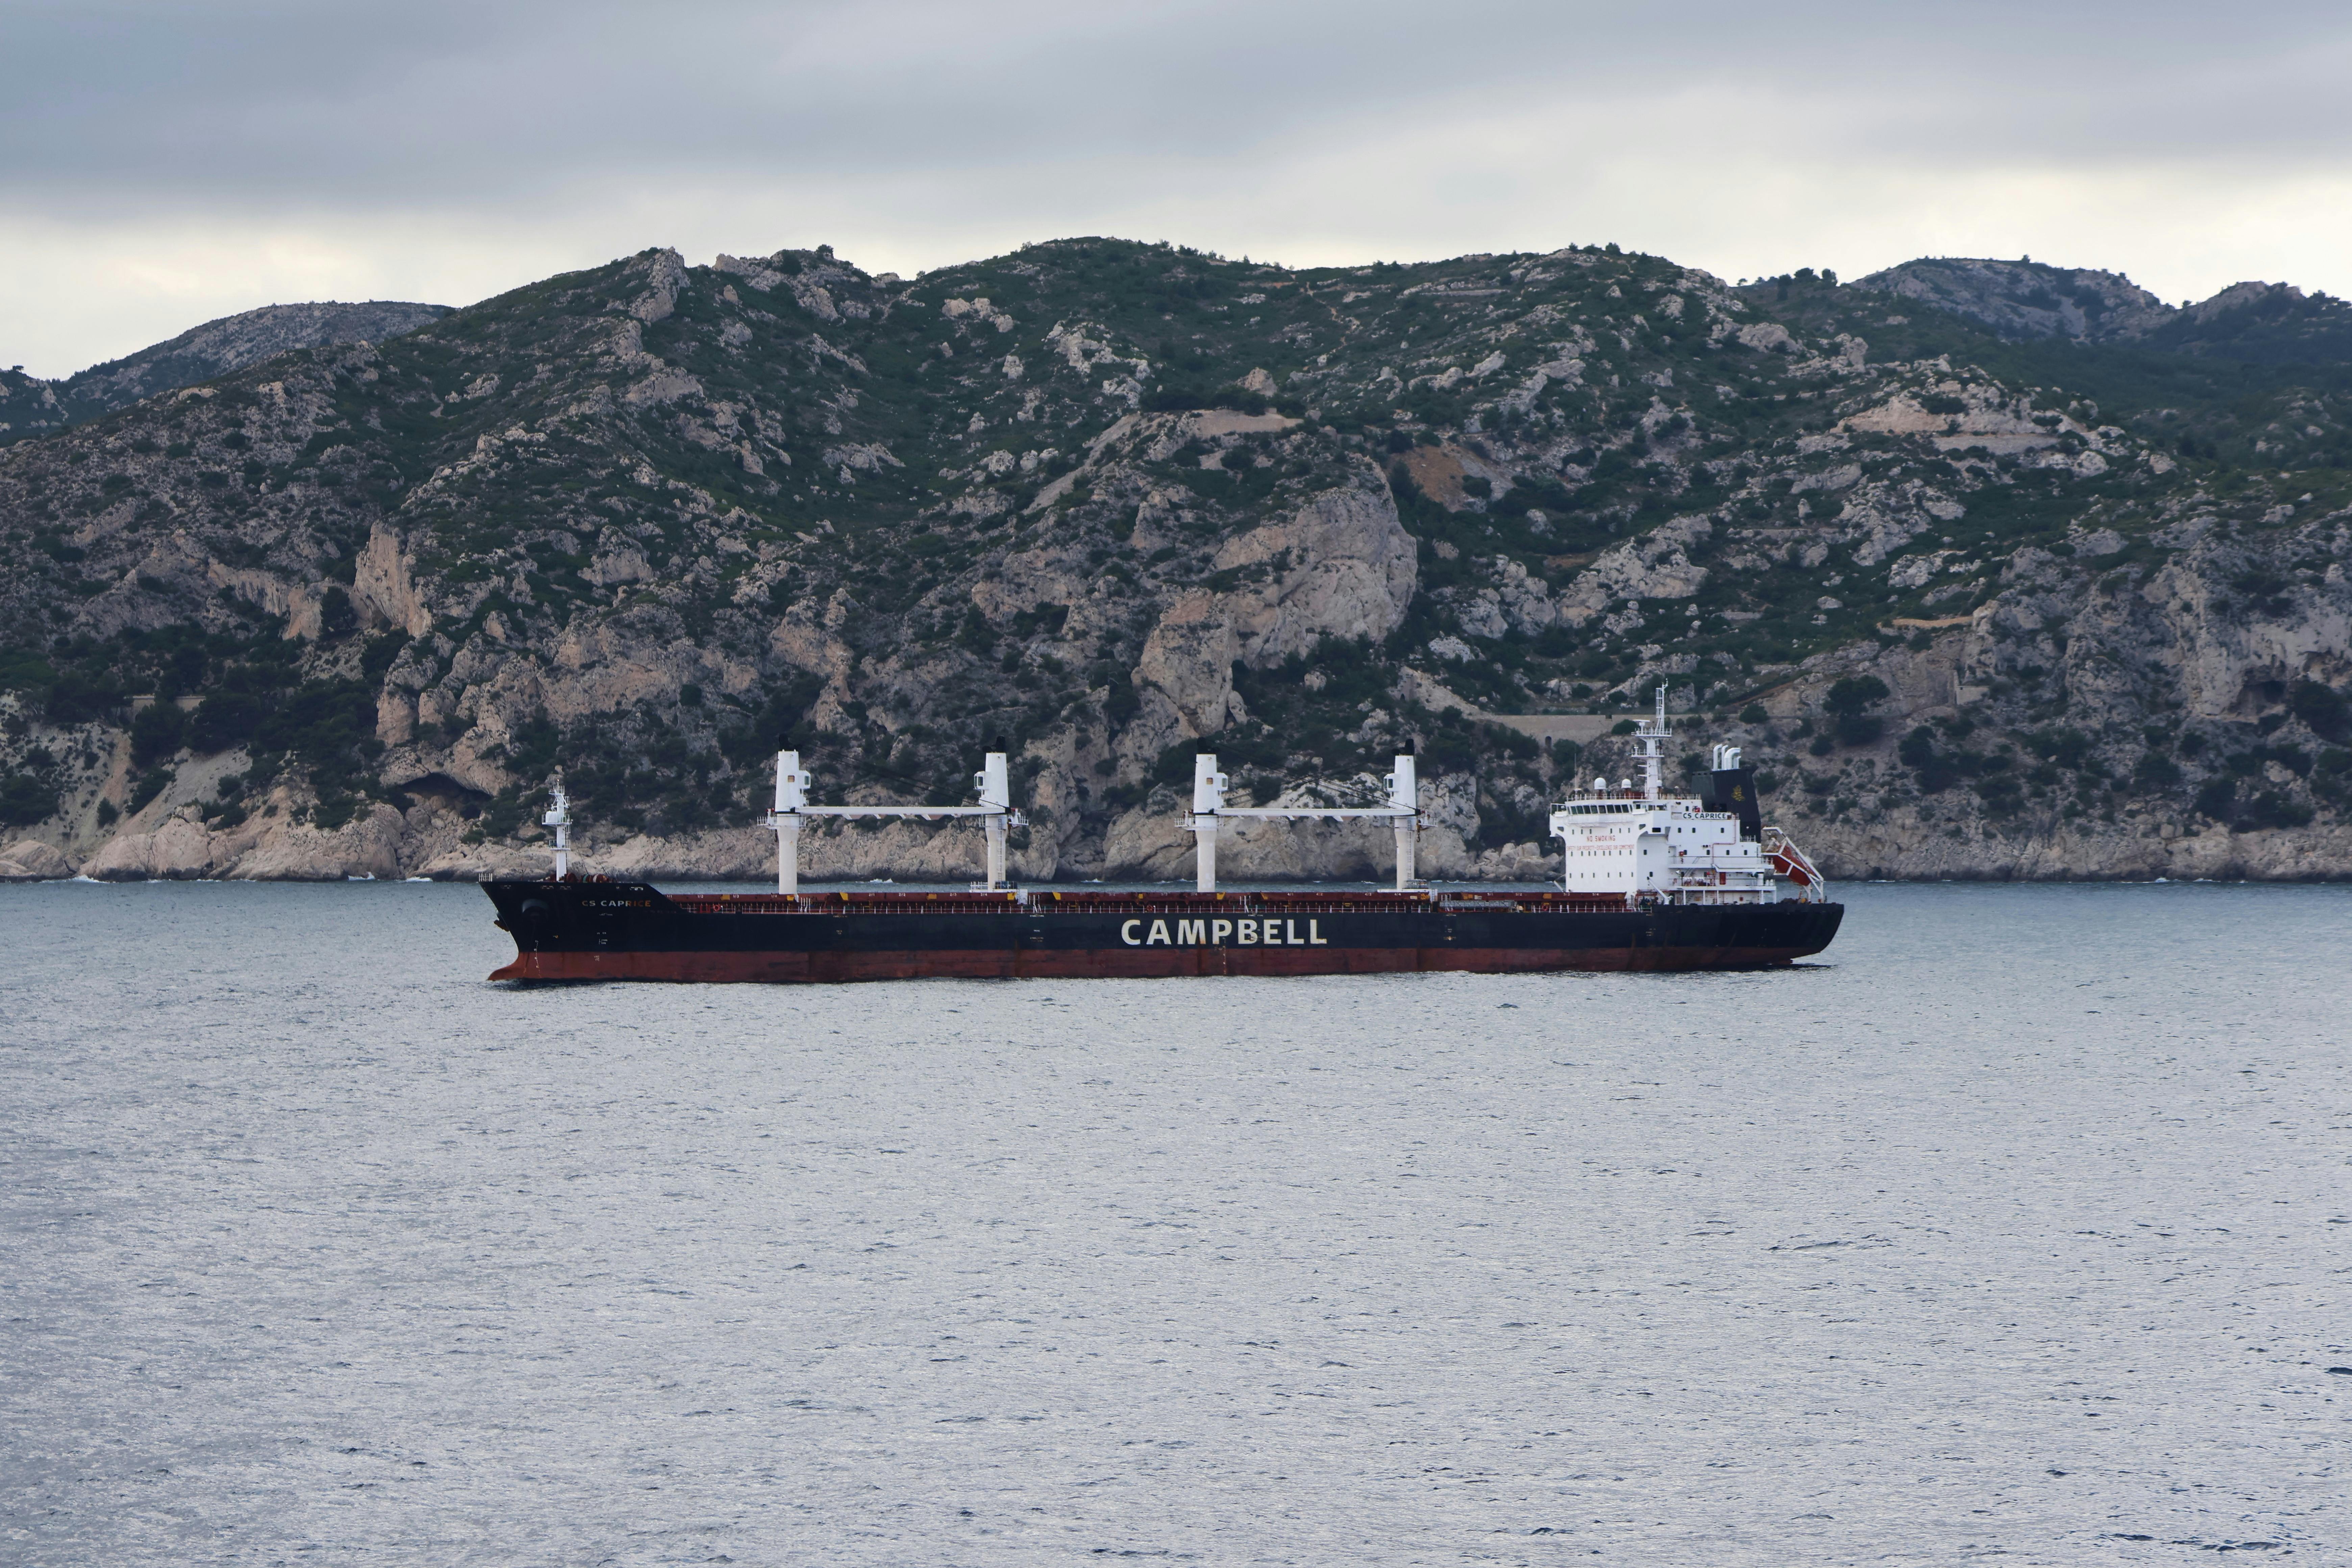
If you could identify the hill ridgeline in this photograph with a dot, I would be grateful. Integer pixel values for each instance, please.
(1997, 570)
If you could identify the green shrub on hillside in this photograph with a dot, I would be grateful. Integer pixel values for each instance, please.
(156, 732)
(24, 800)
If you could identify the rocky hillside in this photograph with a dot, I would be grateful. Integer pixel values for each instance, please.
(30, 406)
(2264, 323)
(1981, 614)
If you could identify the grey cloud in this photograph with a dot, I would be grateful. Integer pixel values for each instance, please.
(446, 104)
(161, 163)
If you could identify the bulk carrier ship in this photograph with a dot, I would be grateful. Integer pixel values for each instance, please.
(1652, 881)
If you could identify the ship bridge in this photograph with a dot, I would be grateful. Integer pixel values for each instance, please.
(1649, 847)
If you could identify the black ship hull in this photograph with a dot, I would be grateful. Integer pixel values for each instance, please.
(591, 930)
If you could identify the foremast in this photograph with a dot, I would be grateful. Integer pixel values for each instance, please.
(559, 817)
(1650, 737)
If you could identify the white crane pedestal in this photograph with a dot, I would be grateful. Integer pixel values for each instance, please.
(1208, 808)
(994, 786)
(992, 783)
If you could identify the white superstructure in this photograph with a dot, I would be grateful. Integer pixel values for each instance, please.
(1651, 847)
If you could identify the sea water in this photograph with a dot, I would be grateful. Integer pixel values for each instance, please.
(2017, 1228)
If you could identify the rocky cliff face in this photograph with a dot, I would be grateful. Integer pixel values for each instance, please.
(344, 613)
(30, 406)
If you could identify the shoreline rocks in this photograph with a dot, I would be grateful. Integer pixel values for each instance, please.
(30, 861)
(1147, 846)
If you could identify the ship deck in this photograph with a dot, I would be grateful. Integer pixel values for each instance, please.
(1033, 902)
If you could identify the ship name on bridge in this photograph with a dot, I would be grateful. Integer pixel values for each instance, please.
(1217, 932)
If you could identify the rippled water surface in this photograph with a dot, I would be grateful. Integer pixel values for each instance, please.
(2016, 1230)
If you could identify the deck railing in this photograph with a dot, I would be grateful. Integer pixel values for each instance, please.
(1046, 902)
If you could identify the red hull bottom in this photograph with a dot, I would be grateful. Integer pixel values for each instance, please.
(787, 968)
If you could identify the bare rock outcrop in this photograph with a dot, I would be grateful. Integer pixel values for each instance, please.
(1655, 567)
(1186, 674)
(182, 849)
(1346, 570)
(367, 848)
(179, 849)
(30, 861)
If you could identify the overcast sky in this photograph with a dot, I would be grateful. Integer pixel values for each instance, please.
(164, 163)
